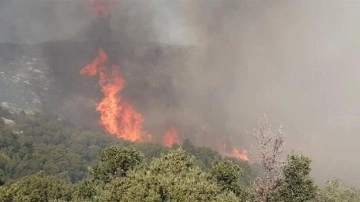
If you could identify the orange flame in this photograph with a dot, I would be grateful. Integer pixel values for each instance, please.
(241, 155)
(230, 151)
(171, 138)
(118, 117)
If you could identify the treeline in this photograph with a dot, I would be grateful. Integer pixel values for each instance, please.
(36, 142)
(40, 143)
(123, 174)
(45, 159)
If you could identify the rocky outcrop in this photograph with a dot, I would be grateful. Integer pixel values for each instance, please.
(23, 79)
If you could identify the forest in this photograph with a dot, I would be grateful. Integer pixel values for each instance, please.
(43, 158)
(89, 89)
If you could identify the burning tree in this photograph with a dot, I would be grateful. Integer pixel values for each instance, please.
(269, 145)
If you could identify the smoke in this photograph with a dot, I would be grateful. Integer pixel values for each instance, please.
(211, 67)
(296, 61)
(37, 21)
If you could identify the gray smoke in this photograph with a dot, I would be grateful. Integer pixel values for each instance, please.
(215, 66)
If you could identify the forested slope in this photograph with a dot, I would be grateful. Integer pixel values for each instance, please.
(43, 158)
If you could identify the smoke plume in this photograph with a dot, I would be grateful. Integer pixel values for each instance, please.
(210, 67)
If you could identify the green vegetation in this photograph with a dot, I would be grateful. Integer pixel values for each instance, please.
(336, 192)
(45, 159)
(297, 185)
(37, 187)
(37, 143)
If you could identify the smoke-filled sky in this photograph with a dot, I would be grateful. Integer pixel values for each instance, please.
(296, 61)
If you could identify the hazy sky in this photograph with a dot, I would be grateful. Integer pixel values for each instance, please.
(297, 61)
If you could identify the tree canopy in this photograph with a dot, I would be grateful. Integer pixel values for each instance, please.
(45, 159)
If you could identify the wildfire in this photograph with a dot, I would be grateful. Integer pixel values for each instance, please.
(242, 155)
(171, 137)
(229, 150)
(117, 116)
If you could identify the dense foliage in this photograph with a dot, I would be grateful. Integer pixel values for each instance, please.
(335, 191)
(297, 185)
(45, 159)
(45, 143)
(38, 143)
(37, 187)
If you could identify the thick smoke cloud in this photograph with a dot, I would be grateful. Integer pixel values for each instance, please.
(214, 66)
(36, 21)
(295, 61)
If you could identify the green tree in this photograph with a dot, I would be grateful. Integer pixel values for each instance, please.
(171, 177)
(9, 141)
(86, 190)
(204, 155)
(297, 186)
(336, 192)
(188, 146)
(150, 150)
(38, 187)
(228, 175)
(116, 161)
(54, 160)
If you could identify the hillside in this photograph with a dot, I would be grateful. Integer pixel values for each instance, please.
(35, 142)
(44, 158)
